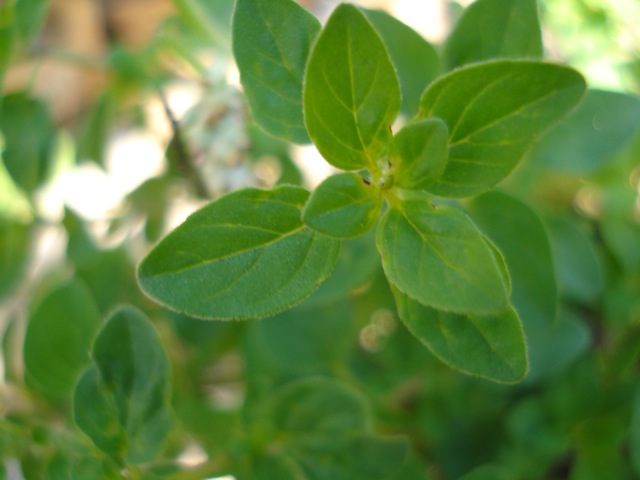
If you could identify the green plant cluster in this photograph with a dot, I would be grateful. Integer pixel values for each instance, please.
(461, 299)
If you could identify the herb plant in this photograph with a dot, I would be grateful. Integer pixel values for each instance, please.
(458, 300)
(254, 253)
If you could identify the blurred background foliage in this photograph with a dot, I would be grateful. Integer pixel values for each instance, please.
(119, 117)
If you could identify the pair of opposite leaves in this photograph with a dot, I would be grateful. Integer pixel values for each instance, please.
(251, 253)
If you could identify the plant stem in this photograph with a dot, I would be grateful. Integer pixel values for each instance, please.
(182, 160)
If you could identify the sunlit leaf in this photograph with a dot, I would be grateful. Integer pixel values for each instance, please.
(351, 92)
(244, 255)
(438, 257)
(494, 111)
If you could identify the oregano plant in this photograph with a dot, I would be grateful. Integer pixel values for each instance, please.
(408, 172)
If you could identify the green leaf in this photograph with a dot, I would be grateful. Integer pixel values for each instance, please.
(59, 336)
(438, 257)
(244, 255)
(599, 128)
(418, 153)
(357, 264)
(520, 235)
(343, 206)
(7, 33)
(323, 426)
(491, 346)
(123, 403)
(27, 149)
(351, 92)
(494, 111)
(271, 43)
(30, 15)
(634, 438)
(416, 61)
(580, 276)
(490, 29)
(14, 254)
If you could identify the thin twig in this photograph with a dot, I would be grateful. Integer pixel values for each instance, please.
(181, 157)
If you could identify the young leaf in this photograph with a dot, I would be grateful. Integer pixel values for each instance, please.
(416, 61)
(490, 29)
(491, 346)
(343, 206)
(123, 402)
(351, 92)
(439, 258)
(245, 255)
(59, 337)
(271, 43)
(418, 153)
(494, 111)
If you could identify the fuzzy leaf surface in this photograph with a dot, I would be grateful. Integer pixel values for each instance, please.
(351, 92)
(59, 337)
(271, 42)
(490, 29)
(416, 60)
(123, 403)
(439, 258)
(491, 346)
(343, 206)
(245, 255)
(418, 153)
(494, 111)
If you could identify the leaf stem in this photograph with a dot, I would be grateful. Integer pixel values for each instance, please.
(182, 159)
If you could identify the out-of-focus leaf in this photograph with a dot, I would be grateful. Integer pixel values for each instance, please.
(599, 128)
(576, 260)
(59, 336)
(301, 341)
(635, 433)
(357, 264)
(622, 236)
(416, 60)
(209, 19)
(520, 235)
(92, 143)
(123, 402)
(323, 430)
(30, 15)
(490, 29)
(15, 242)
(29, 135)
(553, 347)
